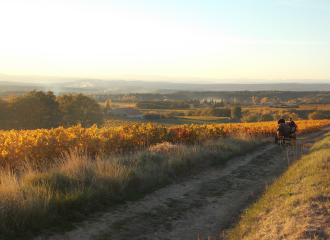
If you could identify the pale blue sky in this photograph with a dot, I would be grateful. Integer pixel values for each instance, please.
(130, 39)
(303, 20)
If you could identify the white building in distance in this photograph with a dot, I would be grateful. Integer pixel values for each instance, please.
(127, 112)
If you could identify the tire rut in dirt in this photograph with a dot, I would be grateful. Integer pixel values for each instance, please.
(144, 223)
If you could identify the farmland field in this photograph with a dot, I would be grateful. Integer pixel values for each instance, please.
(314, 106)
(114, 121)
(204, 119)
(120, 104)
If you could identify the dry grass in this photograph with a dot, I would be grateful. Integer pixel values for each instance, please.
(163, 147)
(297, 206)
(77, 185)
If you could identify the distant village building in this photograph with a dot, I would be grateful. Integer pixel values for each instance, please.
(127, 112)
(206, 106)
(289, 104)
(270, 103)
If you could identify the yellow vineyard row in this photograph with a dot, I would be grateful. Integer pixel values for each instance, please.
(16, 146)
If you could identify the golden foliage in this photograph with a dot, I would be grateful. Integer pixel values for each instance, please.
(15, 146)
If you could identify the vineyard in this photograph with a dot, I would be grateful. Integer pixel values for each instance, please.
(41, 144)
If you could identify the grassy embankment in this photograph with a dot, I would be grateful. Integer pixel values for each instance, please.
(77, 185)
(296, 206)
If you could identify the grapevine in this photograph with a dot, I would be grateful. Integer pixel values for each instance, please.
(18, 145)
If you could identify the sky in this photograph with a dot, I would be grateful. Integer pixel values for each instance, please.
(155, 39)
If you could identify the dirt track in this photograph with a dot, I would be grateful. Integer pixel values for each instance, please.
(206, 203)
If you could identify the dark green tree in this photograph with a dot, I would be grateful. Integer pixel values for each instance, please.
(236, 112)
(5, 116)
(266, 118)
(35, 110)
(219, 104)
(49, 113)
(250, 118)
(80, 109)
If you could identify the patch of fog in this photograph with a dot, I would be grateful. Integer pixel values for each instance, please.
(57, 90)
(80, 85)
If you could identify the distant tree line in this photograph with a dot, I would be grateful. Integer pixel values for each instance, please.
(295, 114)
(38, 109)
(297, 97)
(210, 111)
(206, 102)
(161, 104)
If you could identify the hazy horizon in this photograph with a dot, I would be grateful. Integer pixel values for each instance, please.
(38, 79)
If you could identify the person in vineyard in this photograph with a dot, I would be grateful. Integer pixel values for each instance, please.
(293, 126)
(282, 120)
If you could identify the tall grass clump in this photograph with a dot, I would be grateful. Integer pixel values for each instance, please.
(77, 184)
(296, 206)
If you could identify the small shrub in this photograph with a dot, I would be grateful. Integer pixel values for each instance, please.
(318, 115)
(250, 118)
(266, 118)
(163, 147)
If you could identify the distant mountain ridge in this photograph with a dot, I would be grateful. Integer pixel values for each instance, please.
(154, 78)
(138, 86)
(114, 85)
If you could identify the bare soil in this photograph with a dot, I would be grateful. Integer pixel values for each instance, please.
(206, 203)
